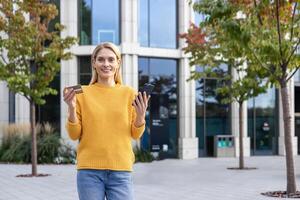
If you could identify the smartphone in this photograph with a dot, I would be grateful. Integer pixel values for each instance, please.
(76, 88)
(148, 88)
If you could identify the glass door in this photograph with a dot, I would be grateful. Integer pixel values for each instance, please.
(261, 123)
(161, 132)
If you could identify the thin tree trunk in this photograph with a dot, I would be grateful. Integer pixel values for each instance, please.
(291, 182)
(33, 139)
(241, 135)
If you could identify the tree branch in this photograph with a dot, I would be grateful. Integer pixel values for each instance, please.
(297, 68)
(258, 15)
(278, 27)
(293, 52)
(292, 23)
(259, 62)
(3, 59)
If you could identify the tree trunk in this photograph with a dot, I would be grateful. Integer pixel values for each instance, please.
(241, 136)
(285, 96)
(33, 139)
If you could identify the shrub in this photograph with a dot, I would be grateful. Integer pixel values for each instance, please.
(142, 155)
(16, 145)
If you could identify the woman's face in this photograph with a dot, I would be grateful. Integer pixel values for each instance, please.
(106, 64)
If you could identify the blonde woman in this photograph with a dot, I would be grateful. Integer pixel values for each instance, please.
(104, 118)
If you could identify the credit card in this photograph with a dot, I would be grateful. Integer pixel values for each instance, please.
(77, 89)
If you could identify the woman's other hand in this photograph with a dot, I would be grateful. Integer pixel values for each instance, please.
(140, 104)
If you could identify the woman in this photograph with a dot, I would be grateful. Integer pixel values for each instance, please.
(104, 118)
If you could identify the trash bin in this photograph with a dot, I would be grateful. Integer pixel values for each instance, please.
(224, 146)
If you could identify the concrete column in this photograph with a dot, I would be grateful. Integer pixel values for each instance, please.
(129, 45)
(69, 68)
(246, 139)
(4, 104)
(22, 109)
(187, 141)
(281, 145)
(235, 124)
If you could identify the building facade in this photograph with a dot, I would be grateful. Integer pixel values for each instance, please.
(184, 116)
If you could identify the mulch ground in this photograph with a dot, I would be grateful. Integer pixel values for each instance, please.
(245, 168)
(30, 175)
(282, 194)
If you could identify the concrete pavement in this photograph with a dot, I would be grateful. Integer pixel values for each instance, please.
(171, 179)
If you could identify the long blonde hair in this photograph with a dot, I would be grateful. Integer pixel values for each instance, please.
(113, 48)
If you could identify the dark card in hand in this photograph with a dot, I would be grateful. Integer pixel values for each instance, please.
(76, 88)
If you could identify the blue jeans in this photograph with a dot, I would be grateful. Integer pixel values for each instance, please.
(95, 184)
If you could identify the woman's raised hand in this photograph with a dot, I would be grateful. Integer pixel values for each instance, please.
(69, 97)
(140, 104)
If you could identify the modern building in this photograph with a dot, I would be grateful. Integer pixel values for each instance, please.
(184, 116)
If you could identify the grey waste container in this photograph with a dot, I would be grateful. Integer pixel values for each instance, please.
(224, 146)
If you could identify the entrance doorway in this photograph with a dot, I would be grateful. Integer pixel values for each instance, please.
(261, 123)
(212, 116)
(160, 136)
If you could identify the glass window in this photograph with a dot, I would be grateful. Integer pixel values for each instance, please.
(84, 68)
(157, 27)
(297, 76)
(162, 118)
(85, 14)
(99, 21)
(50, 111)
(297, 100)
(198, 17)
(57, 18)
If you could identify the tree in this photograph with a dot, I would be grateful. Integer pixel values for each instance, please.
(266, 35)
(30, 53)
(244, 85)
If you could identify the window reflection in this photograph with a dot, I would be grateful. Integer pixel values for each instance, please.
(157, 25)
(261, 122)
(84, 69)
(99, 21)
(212, 116)
(297, 76)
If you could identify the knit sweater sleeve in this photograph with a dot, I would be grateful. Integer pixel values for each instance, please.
(74, 129)
(136, 132)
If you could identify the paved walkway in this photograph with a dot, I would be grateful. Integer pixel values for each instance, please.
(199, 179)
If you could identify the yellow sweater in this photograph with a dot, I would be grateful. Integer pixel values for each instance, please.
(105, 127)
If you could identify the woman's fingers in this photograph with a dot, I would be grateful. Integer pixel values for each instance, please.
(69, 96)
(141, 100)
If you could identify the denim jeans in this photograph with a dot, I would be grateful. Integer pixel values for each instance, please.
(95, 184)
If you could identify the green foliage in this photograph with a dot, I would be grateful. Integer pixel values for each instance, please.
(31, 53)
(19, 150)
(142, 155)
(48, 145)
(262, 35)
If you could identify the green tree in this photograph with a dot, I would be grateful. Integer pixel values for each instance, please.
(238, 87)
(266, 35)
(30, 53)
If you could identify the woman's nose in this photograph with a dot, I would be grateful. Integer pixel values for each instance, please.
(106, 63)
